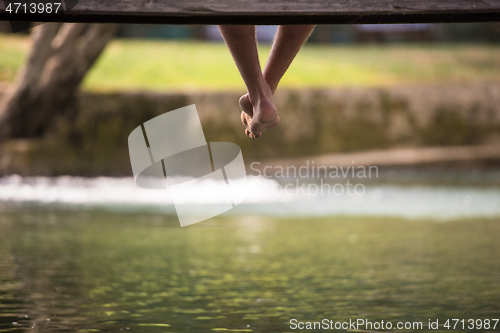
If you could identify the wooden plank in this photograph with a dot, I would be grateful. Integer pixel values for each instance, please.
(264, 11)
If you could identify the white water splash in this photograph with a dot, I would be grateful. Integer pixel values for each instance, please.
(263, 197)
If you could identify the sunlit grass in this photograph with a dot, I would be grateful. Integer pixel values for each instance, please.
(189, 66)
(12, 56)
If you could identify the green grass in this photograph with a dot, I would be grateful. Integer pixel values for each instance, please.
(184, 66)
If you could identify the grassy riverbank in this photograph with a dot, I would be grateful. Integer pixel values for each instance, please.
(185, 66)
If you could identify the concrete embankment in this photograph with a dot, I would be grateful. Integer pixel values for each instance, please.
(91, 139)
(478, 156)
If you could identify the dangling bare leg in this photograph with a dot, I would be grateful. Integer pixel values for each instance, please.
(287, 43)
(243, 46)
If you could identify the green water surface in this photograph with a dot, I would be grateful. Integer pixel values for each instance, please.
(84, 271)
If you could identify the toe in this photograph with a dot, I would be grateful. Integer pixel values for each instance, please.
(245, 119)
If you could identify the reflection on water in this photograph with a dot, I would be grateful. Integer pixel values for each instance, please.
(98, 271)
(11, 300)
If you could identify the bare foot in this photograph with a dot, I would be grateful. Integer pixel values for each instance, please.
(258, 119)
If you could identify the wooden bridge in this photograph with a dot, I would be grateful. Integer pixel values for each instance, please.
(260, 12)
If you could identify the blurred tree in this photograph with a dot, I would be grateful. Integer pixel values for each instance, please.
(60, 56)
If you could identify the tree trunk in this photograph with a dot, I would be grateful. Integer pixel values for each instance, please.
(60, 56)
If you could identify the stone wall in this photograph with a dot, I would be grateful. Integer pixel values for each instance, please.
(91, 139)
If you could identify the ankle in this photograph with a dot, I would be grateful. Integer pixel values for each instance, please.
(260, 94)
(271, 81)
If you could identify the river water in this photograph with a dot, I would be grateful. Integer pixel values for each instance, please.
(100, 255)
